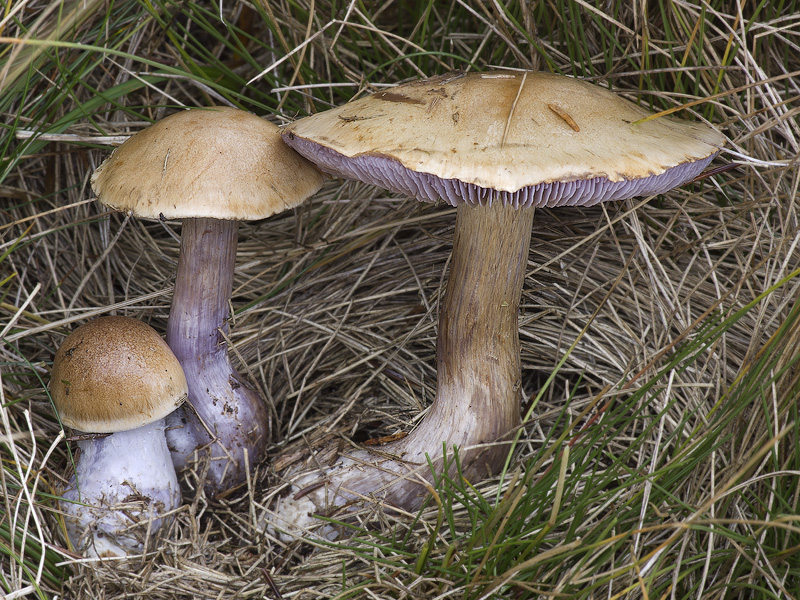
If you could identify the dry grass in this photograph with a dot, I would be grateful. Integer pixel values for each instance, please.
(336, 302)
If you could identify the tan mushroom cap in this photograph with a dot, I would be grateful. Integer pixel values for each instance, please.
(221, 163)
(507, 130)
(115, 374)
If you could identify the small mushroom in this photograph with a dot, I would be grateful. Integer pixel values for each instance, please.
(116, 376)
(496, 145)
(211, 168)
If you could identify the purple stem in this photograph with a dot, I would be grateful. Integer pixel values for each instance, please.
(228, 418)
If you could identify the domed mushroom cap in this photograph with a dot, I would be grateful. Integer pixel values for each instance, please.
(115, 374)
(537, 138)
(220, 162)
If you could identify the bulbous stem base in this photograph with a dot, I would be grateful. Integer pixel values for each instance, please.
(227, 420)
(122, 490)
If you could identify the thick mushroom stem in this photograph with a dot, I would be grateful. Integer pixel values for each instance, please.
(227, 419)
(478, 389)
(126, 488)
(478, 355)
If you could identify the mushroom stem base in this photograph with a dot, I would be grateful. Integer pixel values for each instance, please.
(122, 492)
(478, 386)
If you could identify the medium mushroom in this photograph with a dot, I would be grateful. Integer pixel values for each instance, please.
(496, 145)
(116, 376)
(211, 168)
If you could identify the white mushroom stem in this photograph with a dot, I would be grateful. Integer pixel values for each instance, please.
(227, 419)
(126, 486)
(478, 389)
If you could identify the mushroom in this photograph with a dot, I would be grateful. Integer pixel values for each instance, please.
(115, 375)
(211, 168)
(495, 145)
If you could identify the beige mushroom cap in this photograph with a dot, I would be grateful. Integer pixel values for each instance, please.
(507, 130)
(221, 163)
(115, 374)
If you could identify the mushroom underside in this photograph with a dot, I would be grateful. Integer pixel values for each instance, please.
(391, 174)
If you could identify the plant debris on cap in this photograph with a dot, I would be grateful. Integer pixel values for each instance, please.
(531, 139)
(221, 163)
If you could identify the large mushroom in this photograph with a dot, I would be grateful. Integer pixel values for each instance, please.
(211, 168)
(496, 145)
(116, 376)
